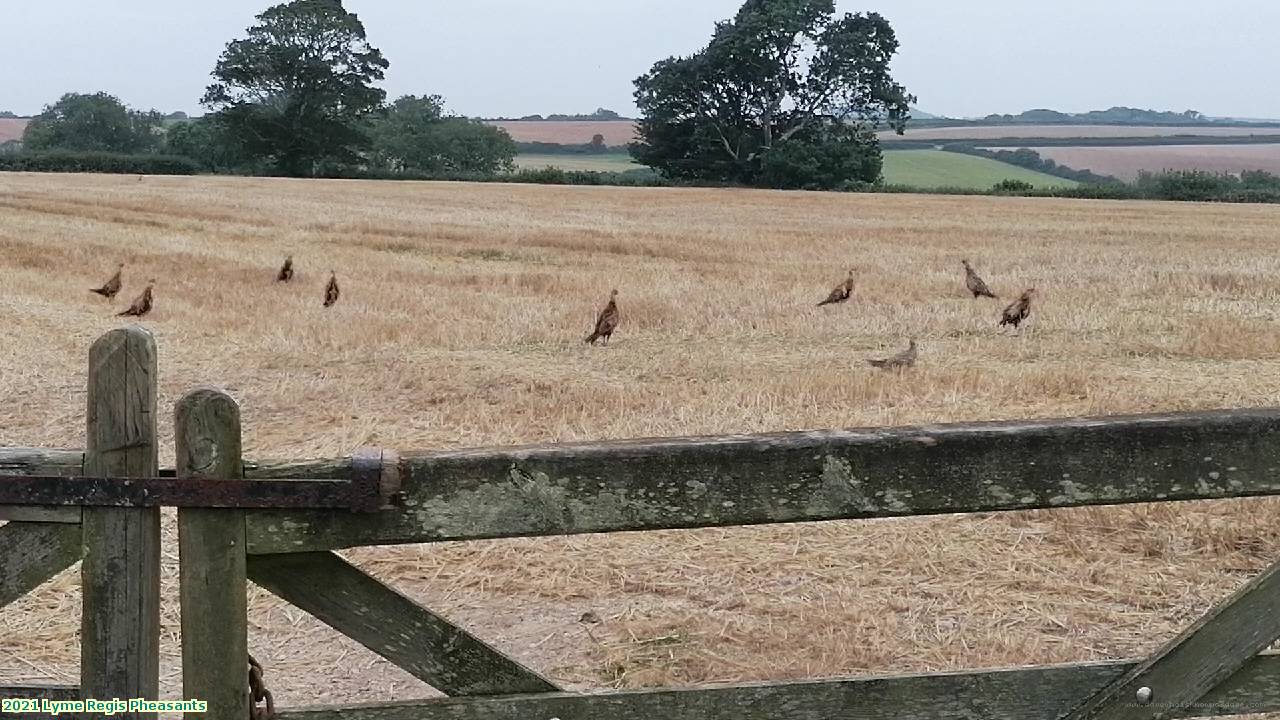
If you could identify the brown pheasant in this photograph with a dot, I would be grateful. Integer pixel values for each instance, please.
(142, 305)
(1018, 310)
(904, 359)
(841, 292)
(112, 286)
(607, 322)
(331, 290)
(286, 270)
(975, 283)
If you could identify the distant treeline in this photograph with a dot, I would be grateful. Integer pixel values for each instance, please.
(1272, 138)
(98, 162)
(1185, 185)
(1112, 116)
(600, 115)
(1118, 115)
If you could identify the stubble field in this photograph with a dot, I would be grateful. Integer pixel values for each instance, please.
(460, 324)
(1126, 162)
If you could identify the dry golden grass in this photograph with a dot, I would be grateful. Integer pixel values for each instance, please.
(461, 324)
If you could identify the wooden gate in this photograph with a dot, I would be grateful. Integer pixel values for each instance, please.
(278, 524)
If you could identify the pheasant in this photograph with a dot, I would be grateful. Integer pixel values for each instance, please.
(142, 305)
(331, 290)
(975, 283)
(1018, 310)
(607, 322)
(112, 286)
(904, 359)
(841, 292)
(286, 270)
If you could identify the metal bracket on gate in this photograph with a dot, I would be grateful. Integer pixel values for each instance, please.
(374, 485)
(375, 480)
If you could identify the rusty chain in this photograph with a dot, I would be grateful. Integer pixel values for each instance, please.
(258, 692)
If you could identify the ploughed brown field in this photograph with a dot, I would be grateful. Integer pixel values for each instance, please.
(461, 321)
(1127, 162)
(569, 132)
(12, 128)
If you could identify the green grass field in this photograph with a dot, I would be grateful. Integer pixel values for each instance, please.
(938, 168)
(918, 168)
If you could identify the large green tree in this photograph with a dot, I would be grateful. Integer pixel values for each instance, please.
(93, 123)
(416, 134)
(298, 88)
(786, 94)
(210, 143)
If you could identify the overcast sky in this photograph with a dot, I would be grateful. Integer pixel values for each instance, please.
(518, 57)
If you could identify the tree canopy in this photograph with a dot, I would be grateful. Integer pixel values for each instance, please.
(786, 94)
(209, 142)
(416, 134)
(299, 87)
(93, 123)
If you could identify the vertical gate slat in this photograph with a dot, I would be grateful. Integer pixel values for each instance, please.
(212, 555)
(120, 622)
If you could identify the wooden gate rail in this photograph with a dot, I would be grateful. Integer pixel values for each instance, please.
(1035, 693)
(778, 478)
(798, 477)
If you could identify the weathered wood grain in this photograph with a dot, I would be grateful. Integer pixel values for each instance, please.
(40, 461)
(211, 546)
(51, 692)
(1201, 657)
(120, 624)
(1019, 694)
(339, 469)
(37, 692)
(794, 477)
(40, 514)
(422, 643)
(31, 553)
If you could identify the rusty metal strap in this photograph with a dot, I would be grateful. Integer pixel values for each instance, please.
(185, 492)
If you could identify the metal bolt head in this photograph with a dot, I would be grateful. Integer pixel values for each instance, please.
(1144, 695)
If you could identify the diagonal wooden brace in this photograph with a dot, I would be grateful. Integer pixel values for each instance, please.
(1203, 657)
(412, 637)
(31, 553)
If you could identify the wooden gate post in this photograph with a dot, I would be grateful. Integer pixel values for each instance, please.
(211, 546)
(120, 620)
